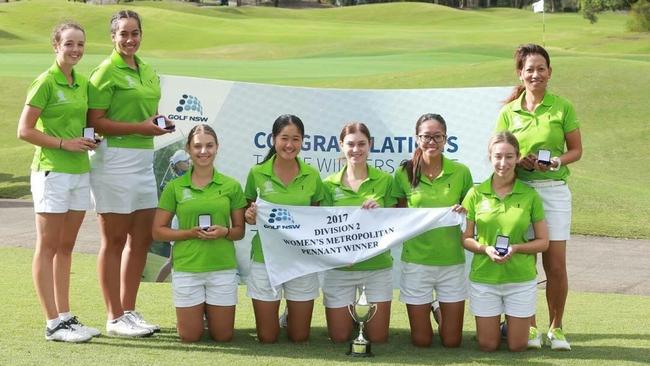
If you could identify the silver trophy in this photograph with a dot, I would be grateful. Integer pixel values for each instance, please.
(362, 312)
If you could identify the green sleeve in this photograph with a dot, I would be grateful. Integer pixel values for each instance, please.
(537, 209)
(468, 183)
(237, 198)
(570, 122)
(470, 205)
(328, 198)
(167, 200)
(100, 89)
(250, 192)
(503, 121)
(319, 193)
(397, 190)
(39, 93)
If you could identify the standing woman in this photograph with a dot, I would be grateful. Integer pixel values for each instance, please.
(502, 209)
(358, 184)
(433, 260)
(284, 179)
(123, 97)
(205, 276)
(544, 121)
(53, 120)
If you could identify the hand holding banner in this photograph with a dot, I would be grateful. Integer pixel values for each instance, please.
(299, 240)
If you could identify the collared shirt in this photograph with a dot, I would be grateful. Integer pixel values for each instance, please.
(543, 129)
(376, 187)
(219, 198)
(510, 216)
(441, 246)
(306, 188)
(127, 95)
(63, 115)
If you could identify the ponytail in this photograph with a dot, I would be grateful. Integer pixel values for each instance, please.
(269, 155)
(413, 167)
(516, 93)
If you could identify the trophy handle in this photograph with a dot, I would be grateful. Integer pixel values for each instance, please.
(372, 312)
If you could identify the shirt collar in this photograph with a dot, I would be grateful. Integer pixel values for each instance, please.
(447, 168)
(117, 60)
(60, 78)
(186, 179)
(267, 167)
(486, 187)
(546, 101)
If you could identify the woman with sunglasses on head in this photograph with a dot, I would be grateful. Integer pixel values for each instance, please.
(433, 261)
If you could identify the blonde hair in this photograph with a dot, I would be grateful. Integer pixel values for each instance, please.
(504, 136)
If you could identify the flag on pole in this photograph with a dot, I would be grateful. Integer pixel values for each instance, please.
(538, 7)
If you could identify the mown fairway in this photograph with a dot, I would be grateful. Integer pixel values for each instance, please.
(604, 70)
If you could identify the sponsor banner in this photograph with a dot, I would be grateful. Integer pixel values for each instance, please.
(242, 114)
(299, 240)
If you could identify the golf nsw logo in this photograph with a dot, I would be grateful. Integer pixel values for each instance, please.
(281, 218)
(188, 108)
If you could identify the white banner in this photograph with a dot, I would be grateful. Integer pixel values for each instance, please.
(242, 115)
(299, 240)
(538, 7)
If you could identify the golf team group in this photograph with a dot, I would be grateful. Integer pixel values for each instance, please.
(525, 207)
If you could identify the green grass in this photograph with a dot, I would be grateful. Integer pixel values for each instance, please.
(603, 328)
(601, 68)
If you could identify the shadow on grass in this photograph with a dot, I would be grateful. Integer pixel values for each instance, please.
(398, 350)
(12, 186)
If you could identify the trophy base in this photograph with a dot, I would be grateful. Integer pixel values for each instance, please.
(360, 350)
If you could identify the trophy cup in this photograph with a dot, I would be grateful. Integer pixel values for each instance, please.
(362, 312)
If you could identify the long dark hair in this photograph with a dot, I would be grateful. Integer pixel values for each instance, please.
(279, 124)
(521, 53)
(413, 165)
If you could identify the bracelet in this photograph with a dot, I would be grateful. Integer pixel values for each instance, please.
(61, 144)
(557, 161)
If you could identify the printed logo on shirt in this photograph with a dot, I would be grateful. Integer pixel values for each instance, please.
(517, 122)
(187, 195)
(61, 96)
(268, 187)
(484, 206)
(130, 81)
(338, 193)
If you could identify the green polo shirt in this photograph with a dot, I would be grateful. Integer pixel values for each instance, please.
(542, 129)
(127, 95)
(219, 199)
(441, 246)
(63, 115)
(305, 189)
(510, 216)
(377, 187)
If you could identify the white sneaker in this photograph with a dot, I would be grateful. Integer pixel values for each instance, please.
(558, 340)
(435, 309)
(124, 326)
(75, 324)
(64, 333)
(534, 338)
(283, 318)
(139, 321)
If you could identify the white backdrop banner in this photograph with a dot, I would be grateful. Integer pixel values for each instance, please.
(242, 114)
(301, 240)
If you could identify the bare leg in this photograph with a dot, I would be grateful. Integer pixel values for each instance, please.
(134, 256)
(114, 228)
(63, 259)
(488, 333)
(189, 323)
(518, 333)
(557, 285)
(299, 320)
(451, 323)
(420, 320)
(377, 328)
(221, 322)
(266, 320)
(339, 324)
(48, 235)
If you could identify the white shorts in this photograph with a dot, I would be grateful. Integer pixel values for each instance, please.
(54, 192)
(340, 287)
(303, 288)
(514, 299)
(556, 197)
(213, 288)
(419, 281)
(122, 179)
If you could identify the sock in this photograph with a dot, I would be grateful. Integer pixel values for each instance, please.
(65, 316)
(53, 323)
